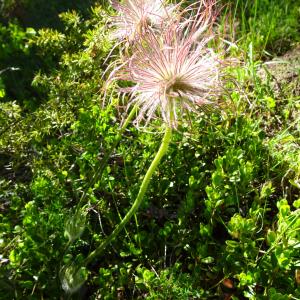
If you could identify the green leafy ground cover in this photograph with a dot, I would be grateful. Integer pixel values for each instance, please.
(221, 216)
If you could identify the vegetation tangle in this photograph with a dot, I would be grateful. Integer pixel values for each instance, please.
(94, 206)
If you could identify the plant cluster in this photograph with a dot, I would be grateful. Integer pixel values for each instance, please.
(173, 70)
(220, 218)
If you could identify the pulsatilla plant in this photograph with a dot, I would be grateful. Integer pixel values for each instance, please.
(173, 70)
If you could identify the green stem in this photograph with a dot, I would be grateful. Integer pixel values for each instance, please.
(99, 171)
(162, 150)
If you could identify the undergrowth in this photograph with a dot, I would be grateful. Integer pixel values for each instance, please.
(221, 217)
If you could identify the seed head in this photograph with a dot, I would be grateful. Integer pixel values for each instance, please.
(134, 16)
(174, 70)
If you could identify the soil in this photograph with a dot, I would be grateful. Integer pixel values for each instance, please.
(283, 72)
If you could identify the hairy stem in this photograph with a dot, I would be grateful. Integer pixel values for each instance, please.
(139, 199)
(99, 172)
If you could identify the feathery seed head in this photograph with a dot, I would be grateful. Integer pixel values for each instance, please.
(173, 71)
(134, 16)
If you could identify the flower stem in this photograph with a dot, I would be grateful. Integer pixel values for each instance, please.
(139, 199)
(97, 176)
